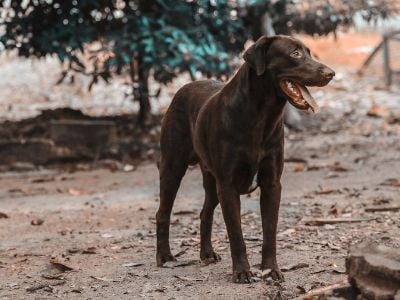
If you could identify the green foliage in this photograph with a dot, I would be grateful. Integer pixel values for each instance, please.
(167, 36)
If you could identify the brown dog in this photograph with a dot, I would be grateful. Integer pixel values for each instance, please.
(235, 131)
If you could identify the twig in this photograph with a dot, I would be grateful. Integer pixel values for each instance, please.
(320, 222)
(387, 208)
(325, 289)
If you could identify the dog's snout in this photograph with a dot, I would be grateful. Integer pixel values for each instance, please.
(328, 73)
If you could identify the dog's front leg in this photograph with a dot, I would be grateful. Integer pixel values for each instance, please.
(269, 181)
(229, 199)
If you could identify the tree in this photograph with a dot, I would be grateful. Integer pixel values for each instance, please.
(110, 37)
(315, 17)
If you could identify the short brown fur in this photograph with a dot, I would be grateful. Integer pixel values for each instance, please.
(235, 132)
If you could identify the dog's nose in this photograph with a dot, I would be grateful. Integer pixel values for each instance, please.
(327, 72)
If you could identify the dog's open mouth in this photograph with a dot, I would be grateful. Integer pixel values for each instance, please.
(298, 95)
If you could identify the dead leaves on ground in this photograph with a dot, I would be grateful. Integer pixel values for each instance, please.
(335, 166)
(393, 182)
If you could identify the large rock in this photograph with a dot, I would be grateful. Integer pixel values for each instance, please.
(36, 151)
(92, 134)
(375, 271)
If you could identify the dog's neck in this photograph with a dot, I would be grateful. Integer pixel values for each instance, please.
(250, 90)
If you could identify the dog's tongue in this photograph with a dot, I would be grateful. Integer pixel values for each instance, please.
(307, 97)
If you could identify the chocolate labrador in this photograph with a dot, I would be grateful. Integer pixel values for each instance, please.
(234, 130)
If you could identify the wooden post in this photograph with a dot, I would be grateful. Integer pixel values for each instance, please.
(384, 45)
(386, 61)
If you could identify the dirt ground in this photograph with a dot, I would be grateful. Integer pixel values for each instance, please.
(90, 234)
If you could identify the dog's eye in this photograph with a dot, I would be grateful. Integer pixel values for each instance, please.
(296, 54)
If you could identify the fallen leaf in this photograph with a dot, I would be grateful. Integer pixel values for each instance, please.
(175, 264)
(73, 250)
(294, 267)
(253, 238)
(391, 182)
(133, 264)
(180, 253)
(58, 276)
(37, 222)
(3, 215)
(263, 273)
(333, 247)
(319, 271)
(337, 167)
(128, 168)
(394, 120)
(326, 191)
(42, 179)
(295, 160)
(339, 271)
(378, 111)
(17, 190)
(314, 168)
(333, 210)
(75, 192)
(188, 278)
(60, 265)
(299, 167)
(89, 250)
(107, 235)
(382, 200)
(104, 279)
(185, 212)
(301, 289)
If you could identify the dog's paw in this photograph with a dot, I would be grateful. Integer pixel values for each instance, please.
(209, 258)
(163, 258)
(242, 277)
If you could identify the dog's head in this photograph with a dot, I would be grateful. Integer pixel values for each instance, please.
(290, 65)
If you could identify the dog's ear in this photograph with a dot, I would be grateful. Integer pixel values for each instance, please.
(256, 55)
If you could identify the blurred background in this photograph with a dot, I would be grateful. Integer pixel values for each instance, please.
(113, 58)
(83, 90)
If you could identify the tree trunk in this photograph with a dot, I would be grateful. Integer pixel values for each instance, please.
(143, 94)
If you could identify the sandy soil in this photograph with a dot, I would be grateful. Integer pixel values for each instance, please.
(91, 234)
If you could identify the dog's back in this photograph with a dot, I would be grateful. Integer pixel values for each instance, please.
(191, 97)
(181, 116)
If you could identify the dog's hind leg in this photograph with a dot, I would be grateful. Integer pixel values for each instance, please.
(207, 253)
(176, 149)
(171, 172)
